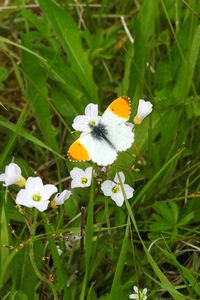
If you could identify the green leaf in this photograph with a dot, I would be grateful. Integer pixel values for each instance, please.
(69, 35)
(38, 95)
(186, 219)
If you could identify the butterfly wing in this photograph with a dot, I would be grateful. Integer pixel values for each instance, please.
(121, 136)
(114, 118)
(117, 112)
(82, 149)
(104, 154)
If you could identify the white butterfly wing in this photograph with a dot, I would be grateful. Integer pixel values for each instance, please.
(117, 112)
(121, 136)
(103, 154)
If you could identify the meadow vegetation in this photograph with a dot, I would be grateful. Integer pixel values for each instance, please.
(56, 57)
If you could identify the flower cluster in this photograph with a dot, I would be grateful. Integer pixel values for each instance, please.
(36, 194)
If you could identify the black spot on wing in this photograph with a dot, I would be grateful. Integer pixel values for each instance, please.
(99, 132)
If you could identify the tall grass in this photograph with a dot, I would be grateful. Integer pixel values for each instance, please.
(56, 57)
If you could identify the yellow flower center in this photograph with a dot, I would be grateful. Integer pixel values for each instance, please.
(115, 189)
(84, 180)
(141, 295)
(36, 197)
(137, 120)
(92, 123)
(21, 181)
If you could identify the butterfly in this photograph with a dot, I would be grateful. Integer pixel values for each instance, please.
(105, 136)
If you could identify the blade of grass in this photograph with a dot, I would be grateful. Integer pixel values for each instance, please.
(186, 273)
(7, 41)
(120, 264)
(69, 35)
(156, 176)
(4, 237)
(88, 239)
(166, 284)
(29, 137)
(12, 140)
(38, 101)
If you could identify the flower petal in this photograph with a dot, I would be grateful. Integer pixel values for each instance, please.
(91, 110)
(77, 173)
(134, 296)
(128, 191)
(12, 174)
(81, 123)
(121, 175)
(24, 198)
(107, 186)
(118, 198)
(48, 190)
(34, 185)
(75, 184)
(41, 205)
(135, 288)
(144, 109)
(144, 291)
(88, 173)
(60, 198)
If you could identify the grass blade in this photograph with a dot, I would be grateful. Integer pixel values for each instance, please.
(69, 36)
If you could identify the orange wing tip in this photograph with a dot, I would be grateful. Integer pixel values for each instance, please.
(77, 152)
(121, 107)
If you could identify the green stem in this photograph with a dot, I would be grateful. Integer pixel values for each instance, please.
(88, 239)
(31, 255)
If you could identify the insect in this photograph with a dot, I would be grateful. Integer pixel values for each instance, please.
(103, 139)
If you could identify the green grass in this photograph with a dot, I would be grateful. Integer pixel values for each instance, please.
(56, 57)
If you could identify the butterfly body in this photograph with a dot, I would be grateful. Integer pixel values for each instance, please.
(104, 137)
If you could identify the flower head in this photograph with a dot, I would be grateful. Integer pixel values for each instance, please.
(35, 194)
(144, 109)
(60, 198)
(85, 122)
(12, 175)
(81, 178)
(139, 294)
(113, 189)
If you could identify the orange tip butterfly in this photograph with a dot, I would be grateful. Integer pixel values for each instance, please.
(103, 137)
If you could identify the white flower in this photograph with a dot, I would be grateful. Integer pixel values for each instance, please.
(113, 189)
(60, 198)
(35, 194)
(59, 250)
(144, 109)
(139, 294)
(81, 178)
(85, 122)
(12, 175)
